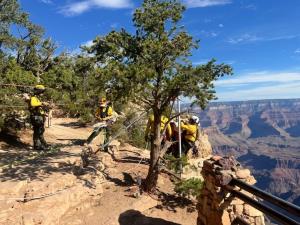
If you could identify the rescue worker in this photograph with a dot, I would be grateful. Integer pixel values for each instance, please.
(37, 118)
(173, 149)
(149, 133)
(104, 115)
(189, 134)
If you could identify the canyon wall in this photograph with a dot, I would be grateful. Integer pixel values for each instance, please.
(264, 136)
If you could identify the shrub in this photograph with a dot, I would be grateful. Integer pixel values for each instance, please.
(190, 187)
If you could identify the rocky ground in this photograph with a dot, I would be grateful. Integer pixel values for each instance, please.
(42, 188)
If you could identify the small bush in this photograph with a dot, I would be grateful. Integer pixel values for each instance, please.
(190, 187)
(176, 164)
(134, 135)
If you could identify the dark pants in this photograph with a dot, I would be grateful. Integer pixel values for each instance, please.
(96, 132)
(38, 124)
(186, 146)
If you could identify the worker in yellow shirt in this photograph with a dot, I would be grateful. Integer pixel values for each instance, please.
(104, 115)
(37, 118)
(189, 134)
(149, 133)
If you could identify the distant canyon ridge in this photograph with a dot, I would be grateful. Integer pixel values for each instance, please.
(264, 135)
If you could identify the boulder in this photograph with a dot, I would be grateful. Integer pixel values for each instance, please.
(250, 180)
(114, 146)
(203, 145)
(252, 212)
(243, 174)
(238, 209)
(226, 218)
(259, 220)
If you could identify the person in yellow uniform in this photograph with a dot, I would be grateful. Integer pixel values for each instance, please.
(37, 118)
(104, 115)
(189, 134)
(149, 133)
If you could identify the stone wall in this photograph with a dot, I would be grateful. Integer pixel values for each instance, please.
(216, 206)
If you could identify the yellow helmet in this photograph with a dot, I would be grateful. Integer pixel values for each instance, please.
(39, 87)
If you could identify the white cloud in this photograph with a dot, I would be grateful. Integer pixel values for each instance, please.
(88, 43)
(201, 61)
(259, 85)
(260, 77)
(114, 25)
(297, 51)
(205, 3)
(79, 7)
(78, 50)
(247, 38)
(279, 91)
(243, 38)
(46, 1)
(209, 34)
(221, 25)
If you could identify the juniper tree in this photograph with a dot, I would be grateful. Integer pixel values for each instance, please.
(152, 66)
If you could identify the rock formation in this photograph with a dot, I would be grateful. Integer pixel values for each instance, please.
(217, 206)
(264, 136)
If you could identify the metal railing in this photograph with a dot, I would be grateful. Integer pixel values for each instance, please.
(287, 213)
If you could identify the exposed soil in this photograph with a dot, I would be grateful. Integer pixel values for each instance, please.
(104, 197)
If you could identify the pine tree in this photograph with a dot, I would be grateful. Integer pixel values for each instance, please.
(152, 66)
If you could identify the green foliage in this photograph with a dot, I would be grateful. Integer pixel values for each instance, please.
(24, 56)
(135, 134)
(152, 68)
(176, 164)
(190, 187)
(11, 96)
(153, 65)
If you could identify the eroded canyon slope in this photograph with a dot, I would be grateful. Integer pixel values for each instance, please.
(264, 135)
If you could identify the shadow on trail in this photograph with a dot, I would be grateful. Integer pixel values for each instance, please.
(73, 141)
(12, 140)
(17, 168)
(171, 202)
(18, 162)
(127, 180)
(134, 217)
(73, 125)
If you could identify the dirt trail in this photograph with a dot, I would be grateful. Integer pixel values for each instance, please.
(89, 199)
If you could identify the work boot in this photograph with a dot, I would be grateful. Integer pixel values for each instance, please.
(85, 155)
(38, 148)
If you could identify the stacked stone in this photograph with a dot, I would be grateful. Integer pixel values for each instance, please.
(193, 169)
(216, 206)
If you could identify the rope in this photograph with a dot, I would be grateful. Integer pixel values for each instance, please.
(132, 168)
(17, 85)
(12, 106)
(37, 197)
(121, 130)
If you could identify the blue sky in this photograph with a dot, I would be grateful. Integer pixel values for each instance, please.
(259, 38)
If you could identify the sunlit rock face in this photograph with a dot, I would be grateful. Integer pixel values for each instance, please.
(264, 135)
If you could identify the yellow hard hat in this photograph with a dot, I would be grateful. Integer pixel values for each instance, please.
(39, 87)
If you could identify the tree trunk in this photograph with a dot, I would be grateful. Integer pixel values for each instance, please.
(152, 177)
